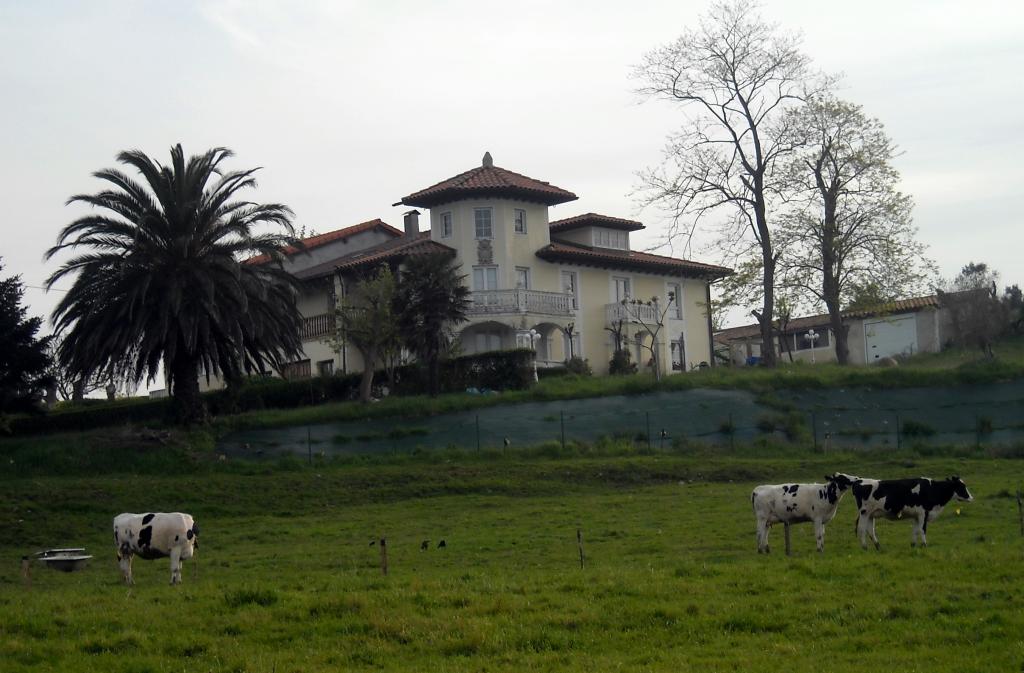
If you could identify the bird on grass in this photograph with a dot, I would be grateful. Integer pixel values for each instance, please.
(441, 544)
(425, 545)
(508, 442)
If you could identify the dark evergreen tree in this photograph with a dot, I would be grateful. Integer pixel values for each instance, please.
(23, 355)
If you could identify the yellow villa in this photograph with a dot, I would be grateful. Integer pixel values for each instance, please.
(534, 281)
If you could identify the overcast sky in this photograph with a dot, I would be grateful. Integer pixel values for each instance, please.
(351, 105)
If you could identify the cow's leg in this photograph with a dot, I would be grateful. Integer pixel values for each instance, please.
(124, 559)
(788, 547)
(762, 536)
(874, 537)
(176, 565)
(862, 530)
(924, 529)
(819, 534)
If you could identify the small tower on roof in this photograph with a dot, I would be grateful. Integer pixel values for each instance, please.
(488, 162)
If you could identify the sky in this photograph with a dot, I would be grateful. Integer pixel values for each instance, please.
(350, 105)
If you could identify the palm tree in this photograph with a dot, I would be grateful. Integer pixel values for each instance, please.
(160, 280)
(432, 300)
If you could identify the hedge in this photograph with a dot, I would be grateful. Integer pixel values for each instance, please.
(498, 370)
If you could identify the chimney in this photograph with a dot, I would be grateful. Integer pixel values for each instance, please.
(412, 223)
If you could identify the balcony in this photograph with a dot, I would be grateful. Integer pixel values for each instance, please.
(317, 326)
(630, 313)
(504, 302)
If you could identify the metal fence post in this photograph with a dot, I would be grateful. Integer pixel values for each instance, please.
(899, 433)
(561, 418)
(648, 430)
(814, 430)
(478, 433)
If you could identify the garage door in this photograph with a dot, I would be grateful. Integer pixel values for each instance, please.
(895, 335)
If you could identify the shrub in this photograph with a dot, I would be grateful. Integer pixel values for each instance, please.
(621, 363)
(578, 366)
(912, 428)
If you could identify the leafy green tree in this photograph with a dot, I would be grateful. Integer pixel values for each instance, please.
(23, 356)
(158, 278)
(979, 317)
(852, 226)
(370, 324)
(432, 301)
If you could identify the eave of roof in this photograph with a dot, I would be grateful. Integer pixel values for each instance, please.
(489, 180)
(318, 240)
(561, 251)
(912, 304)
(421, 244)
(595, 220)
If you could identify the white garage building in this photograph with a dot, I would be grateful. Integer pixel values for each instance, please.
(904, 327)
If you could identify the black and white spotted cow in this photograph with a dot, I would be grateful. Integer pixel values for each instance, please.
(155, 535)
(797, 503)
(918, 499)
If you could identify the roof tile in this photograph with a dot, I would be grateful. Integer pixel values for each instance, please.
(489, 180)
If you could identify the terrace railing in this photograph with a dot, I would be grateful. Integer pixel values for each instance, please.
(495, 302)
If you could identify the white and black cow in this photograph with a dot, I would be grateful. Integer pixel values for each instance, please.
(155, 535)
(797, 503)
(919, 499)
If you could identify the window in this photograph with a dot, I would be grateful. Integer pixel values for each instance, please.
(569, 286)
(296, 370)
(446, 225)
(607, 238)
(522, 278)
(520, 221)
(620, 289)
(482, 219)
(485, 278)
(678, 356)
(325, 367)
(488, 341)
(675, 301)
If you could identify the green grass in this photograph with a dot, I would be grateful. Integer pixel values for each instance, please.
(287, 579)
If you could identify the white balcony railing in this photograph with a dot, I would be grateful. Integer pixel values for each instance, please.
(630, 313)
(491, 302)
(317, 326)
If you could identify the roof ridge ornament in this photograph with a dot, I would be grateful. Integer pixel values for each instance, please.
(488, 162)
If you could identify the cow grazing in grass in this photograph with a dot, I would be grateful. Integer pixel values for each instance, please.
(155, 535)
(796, 503)
(918, 499)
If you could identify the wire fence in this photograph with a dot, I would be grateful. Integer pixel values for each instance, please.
(989, 415)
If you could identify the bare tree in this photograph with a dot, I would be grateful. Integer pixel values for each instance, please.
(650, 315)
(854, 226)
(736, 75)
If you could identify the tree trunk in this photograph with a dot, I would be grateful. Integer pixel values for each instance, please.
(78, 390)
(768, 260)
(187, 405)
(366, 382)
(434, 374)
(830, 289)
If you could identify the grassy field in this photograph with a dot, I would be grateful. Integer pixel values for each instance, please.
(287, 579)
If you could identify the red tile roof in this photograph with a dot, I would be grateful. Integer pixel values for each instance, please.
(421, 244)
(595, 220)
(489, 180)
(561, 251)
(323, 239)
(822, 320)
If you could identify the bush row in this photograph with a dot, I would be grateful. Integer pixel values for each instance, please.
(498, 370)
